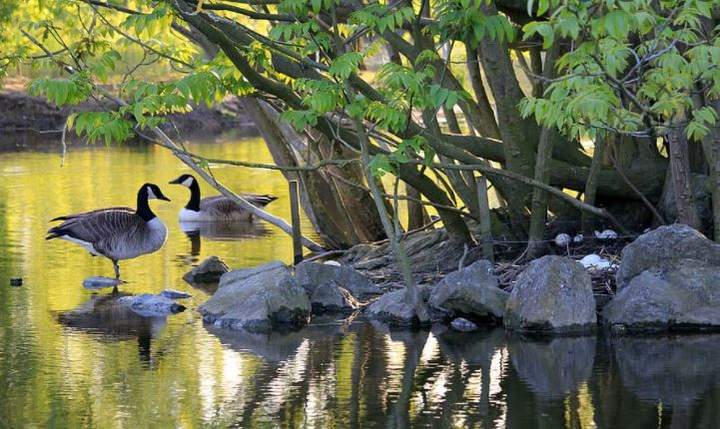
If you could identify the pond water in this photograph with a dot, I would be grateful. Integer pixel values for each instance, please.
(69, 358)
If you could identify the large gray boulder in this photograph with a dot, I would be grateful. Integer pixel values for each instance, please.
(328, 297)
(663, 247)
(312, 274)
(685, 295)
(553, 294)
(209, 271)
(399, 308)
(258, 300)
(668, 279)
(471, 292)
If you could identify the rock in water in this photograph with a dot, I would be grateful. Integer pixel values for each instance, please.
(471, 292)
(151, 305)
(312, 274)
(174, 294)
(463, 325)
(209, 271)
(329, 297)
(258, 300)
(396, 308)
(99, 282)
(554, 295)
(684, 296)
(668, 279)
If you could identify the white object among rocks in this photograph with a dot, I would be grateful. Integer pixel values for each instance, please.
(578, 238)
(333, 263)
(562, 240)
(607, 234)
(595, 262)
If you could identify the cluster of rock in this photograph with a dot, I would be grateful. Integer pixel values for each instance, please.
(273, 296)
(667, 279)
(554, 294)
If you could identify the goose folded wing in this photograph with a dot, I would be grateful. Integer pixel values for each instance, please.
(223, 204)
(98, 226)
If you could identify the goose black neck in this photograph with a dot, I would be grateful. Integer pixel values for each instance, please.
(194, 203)
(143, 208)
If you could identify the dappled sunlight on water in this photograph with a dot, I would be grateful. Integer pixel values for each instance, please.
(71, 357)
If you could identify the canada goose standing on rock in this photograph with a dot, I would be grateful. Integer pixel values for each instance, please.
(116, 233)
(218, 208)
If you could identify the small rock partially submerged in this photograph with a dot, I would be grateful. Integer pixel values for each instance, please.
(471, 292)
(258, 300)
(552, 295)
(99, 282)
(463, 325)
(209, 271)
(151, 305)
(175, 294)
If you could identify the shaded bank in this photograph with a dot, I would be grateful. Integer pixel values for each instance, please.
(28, 122)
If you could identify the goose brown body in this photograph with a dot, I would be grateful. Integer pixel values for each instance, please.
(117, 233)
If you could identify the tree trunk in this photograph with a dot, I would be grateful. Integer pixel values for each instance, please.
(681, 177)
(538, 211)
(320, 199)
(591, 185)
(488, 124)
(417, 215)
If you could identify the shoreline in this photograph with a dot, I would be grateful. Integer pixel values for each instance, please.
(32, 123)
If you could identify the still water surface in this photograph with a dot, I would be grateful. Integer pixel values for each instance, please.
(69, 358)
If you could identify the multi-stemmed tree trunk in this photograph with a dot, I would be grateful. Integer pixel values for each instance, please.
(473, 125)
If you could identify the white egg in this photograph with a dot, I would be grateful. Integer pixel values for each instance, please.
(562, 240)
(595, 262)
(608, 234)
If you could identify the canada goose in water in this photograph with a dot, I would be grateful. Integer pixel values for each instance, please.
(118, 232)
(217, 208)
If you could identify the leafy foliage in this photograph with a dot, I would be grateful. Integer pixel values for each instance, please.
(634, 67)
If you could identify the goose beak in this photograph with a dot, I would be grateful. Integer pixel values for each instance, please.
(175, 182)
(164, 198)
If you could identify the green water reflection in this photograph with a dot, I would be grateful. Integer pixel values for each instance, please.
(70, 357)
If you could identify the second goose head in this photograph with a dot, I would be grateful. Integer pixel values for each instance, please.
(189, 182)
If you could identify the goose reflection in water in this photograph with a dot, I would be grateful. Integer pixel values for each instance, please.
(220, 231)
(107, 320)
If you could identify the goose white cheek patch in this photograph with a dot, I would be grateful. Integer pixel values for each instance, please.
(151, 194)
(187, 182)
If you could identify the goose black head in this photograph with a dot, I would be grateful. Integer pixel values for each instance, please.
(186, 180)
(153, 192)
